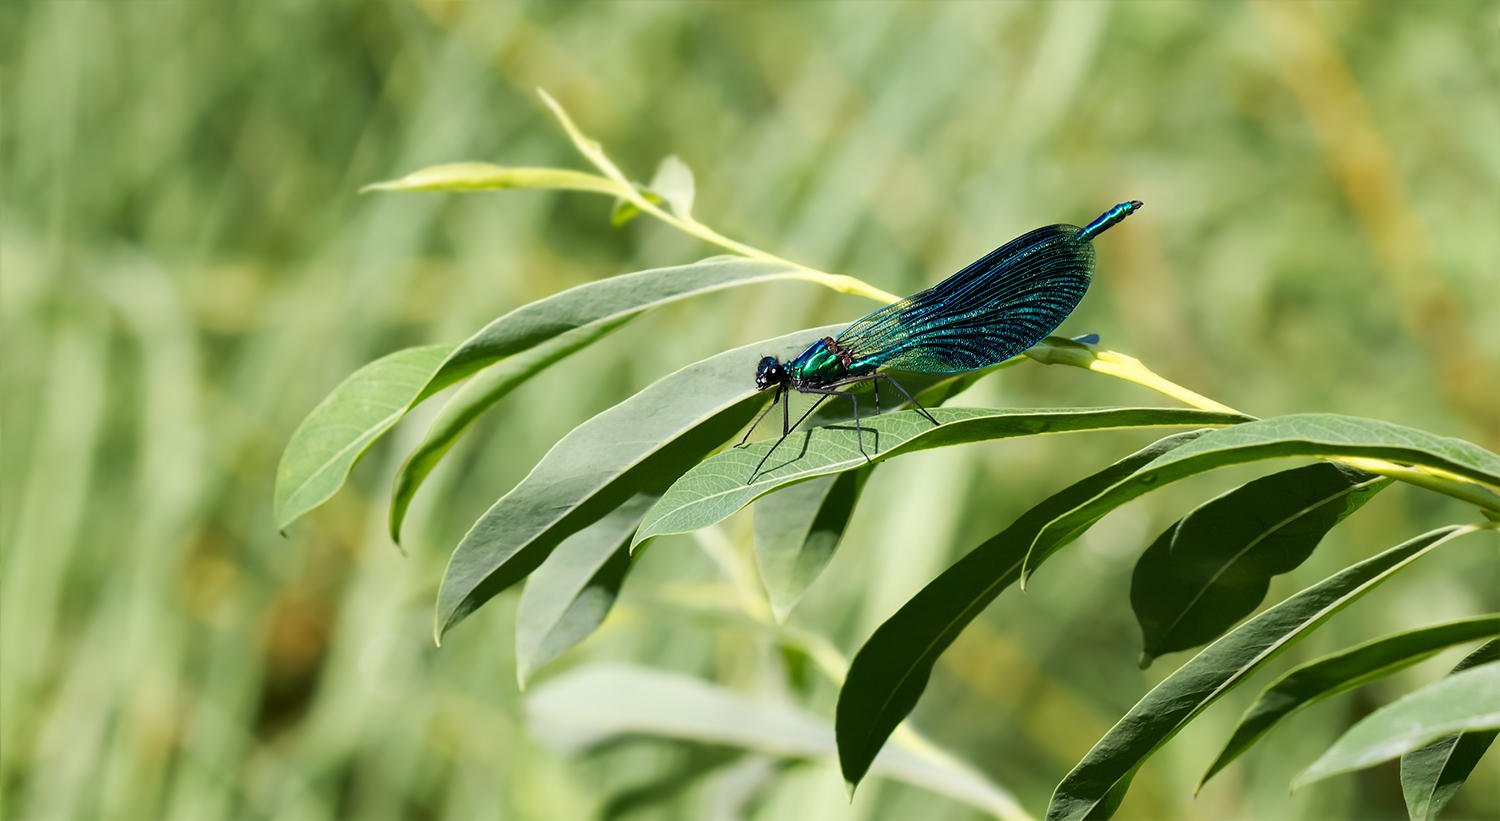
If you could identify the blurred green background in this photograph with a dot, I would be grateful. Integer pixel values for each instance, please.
(187, 271)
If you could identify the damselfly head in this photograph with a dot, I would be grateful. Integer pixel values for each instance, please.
(769, 373)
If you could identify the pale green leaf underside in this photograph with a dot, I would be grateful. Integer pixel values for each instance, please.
(714, 490)
(324, 448)
(1462, 702)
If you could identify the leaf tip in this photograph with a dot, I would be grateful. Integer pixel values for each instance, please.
(849, 788)
(1145, 660)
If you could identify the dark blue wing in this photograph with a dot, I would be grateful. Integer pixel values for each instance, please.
(988, 312)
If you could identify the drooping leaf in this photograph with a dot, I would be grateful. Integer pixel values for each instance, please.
(1337, 673)
(483, 176)
(1432, 774)
(891, 670)
(674, 182)
(559, 325)
(1107, 769)
(582, 708)
(638, 446)
(569, 595)
(478, 395)
(324, 448)
(722, 485)
(1213, 566)
(797, 531)
(1463, 702)
(1318, 434)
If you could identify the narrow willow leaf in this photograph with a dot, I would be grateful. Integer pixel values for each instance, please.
(1219, 668)
(1337, 673)
(569, 595)
(891, 670)
(1213, 566)
(341, 428)
(1319, 434)
(674, 182)
(1431, 775)
(638, 446)
(798, 529)
(482, 176)
(586, 707)
(1462, 702)
(478, 395)
(714, 490)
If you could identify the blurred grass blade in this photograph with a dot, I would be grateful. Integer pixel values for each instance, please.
(798, 529)
(637, 446)
(591, 705)
(714, 490)
(481, 176)
(1219, 668)
(1339, 672)
(1212, 567)
(473, 399)
(674, 182)
(891, 670)
(324, 448)
(1463, 702)
(569, 595)
(1430, 775)
(1323, 435)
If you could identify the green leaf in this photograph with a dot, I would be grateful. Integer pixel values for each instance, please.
(1462, 702)
(1333, 674)
(674, 182)
(1219, 668)
(547, 331)
(324, 448)
(1431, 775)
(714, 490)
(798, 529)
(891, 670)
(638, 446)
(1318, 434)
(478, 395)
(1213, 566)
(569, 595)
(482, 176)
(586, 707)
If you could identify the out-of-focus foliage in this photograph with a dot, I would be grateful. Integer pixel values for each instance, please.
(186, 270)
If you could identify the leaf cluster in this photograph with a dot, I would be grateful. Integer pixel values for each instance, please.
(658, 464)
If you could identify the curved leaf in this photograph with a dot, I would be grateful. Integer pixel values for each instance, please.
(1337, 673)
(324, 448)
(569, 595)
(714, 490)
(1463, 702)
(557, 325)
(473, 399)
(797, 531)
(891, 670)
(637, 446)
(588, 706)
(1107, 769)
(483, 176)
(1431, 775)
(1315, 434)
(1213, 566)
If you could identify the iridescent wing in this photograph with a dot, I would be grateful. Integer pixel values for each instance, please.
(990, 311)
